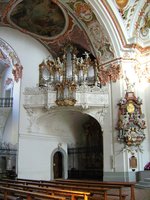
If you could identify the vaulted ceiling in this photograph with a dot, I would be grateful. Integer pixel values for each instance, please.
(55, 22)
(101, 27)
(51, 23)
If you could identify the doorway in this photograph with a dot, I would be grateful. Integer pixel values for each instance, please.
(58, 165)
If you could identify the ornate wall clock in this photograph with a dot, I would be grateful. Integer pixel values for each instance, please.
(130, 107)
(131, 122)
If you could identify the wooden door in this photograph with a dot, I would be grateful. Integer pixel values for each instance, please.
(57, 165)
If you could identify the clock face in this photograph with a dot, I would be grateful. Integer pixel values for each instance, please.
(130, 107)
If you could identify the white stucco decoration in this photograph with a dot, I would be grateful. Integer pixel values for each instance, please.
(40, 101)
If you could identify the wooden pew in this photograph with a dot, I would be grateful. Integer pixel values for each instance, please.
(53, 191)
(7, 191)
(103, 191)
(93, 188)
(130, 185)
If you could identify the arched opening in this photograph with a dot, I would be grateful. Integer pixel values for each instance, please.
(86, 159)
(77, 144)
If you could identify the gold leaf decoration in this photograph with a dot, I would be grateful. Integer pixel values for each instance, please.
(121, 3)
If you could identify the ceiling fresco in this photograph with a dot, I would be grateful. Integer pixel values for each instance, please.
(43, 18)
(57, 22)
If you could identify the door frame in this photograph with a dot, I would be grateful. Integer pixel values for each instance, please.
(64, 163)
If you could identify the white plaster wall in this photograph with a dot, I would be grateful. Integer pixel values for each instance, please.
(35, 156)
(142, 90)
(118, 160)
(114, 163)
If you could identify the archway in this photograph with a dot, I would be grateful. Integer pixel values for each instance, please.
(86, 159)
(77, 142)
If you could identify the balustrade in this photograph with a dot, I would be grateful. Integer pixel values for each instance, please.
(6, 102)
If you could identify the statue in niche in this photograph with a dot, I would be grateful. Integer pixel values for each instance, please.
(129, 85)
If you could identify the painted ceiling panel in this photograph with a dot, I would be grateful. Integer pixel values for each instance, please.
(47, 21)
(43, 18)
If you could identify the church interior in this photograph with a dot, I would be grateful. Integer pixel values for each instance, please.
(74, 91)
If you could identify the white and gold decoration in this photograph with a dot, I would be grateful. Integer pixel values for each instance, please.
(65, 73)
(121, 3)
(131, 123)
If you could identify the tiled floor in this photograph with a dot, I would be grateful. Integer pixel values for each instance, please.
(142, 194)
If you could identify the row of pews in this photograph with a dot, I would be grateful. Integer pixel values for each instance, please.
(64, 189)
